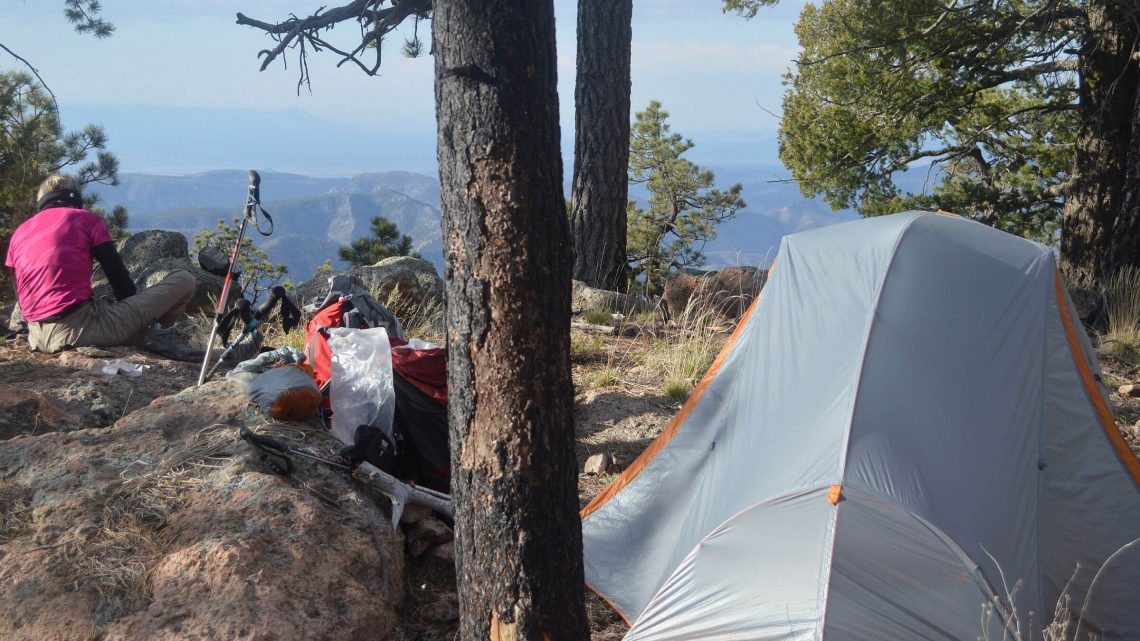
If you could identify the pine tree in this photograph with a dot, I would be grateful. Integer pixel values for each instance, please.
(518, 536)
(385, 242)
(258, 273)
(1020, 114)
(33, 146)
(684, 207)
(601, 143)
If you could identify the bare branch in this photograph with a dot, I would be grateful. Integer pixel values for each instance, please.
(35, 72)
(305, 33)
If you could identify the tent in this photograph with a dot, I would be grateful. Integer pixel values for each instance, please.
(907, 425)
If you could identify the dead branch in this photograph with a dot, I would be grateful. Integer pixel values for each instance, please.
(304, 34)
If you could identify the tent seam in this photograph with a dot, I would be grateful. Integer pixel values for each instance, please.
(803, 490)
(825, 581)
(1050, 268)
(943, 537)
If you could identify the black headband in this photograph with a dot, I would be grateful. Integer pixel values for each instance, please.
(60, 197)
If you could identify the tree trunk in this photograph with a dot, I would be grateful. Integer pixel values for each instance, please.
(505, 235)
(601, 143)
(1126, 233)
(1108, 84)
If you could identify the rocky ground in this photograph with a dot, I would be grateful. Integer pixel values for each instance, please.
(130, 509)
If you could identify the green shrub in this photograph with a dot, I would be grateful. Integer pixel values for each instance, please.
(597, 316)
(584, 346)
(607, 377)
(677, 390)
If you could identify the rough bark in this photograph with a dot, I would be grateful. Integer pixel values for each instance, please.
(1126, 233)
(1107, 93)
(518, 535)
(601, 143)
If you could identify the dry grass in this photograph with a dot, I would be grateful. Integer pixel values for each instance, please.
(585, 347)
(604, 377)
(1122, 314)
(15, 510)
(605, 623)
(420, 319)
(1065, 625)
(117, 560)
(596, 316)
(683, 357)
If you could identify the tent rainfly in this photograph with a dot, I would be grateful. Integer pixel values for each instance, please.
(907, 428)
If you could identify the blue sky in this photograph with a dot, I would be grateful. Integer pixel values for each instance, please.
(187, 65)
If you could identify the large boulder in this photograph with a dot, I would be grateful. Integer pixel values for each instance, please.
(164, 525)
(141, 249)
(417, 281)
(584, 297)
(150, 255)
(727, 292)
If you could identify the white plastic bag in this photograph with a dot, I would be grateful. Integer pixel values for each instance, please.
(360, 381)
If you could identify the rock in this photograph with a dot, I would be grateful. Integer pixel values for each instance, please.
(728, 292)
(141, 249)
(427, 533)
(585, 297)
(597, 464)
(414, 513)
(443, 552)
(1131, 390)
(42, 393)
(164, 526)
(151, 255)
(419, 287)
(444, 609)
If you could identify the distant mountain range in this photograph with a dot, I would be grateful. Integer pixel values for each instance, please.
(313, 217)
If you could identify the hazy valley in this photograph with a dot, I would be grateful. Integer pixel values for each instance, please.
(313, 217)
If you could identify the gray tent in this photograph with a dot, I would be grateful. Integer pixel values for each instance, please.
(907, 425)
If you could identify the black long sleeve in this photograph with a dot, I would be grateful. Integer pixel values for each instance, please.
(115, 270)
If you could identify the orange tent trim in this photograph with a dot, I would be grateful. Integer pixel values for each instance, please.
(1103, 413)
(663, 439)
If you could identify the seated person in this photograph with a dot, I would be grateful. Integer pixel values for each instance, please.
(51, 258)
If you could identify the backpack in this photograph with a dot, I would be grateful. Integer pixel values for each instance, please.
(420, 453)
(347, 304)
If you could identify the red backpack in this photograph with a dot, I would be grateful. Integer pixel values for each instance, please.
(317, 352)
(420, 383)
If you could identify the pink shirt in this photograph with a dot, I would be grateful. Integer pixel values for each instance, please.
(51, 255)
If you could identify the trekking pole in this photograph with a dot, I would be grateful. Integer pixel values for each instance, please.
(290, 318)
(252, 205)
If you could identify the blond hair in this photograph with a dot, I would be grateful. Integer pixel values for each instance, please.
(58, 182)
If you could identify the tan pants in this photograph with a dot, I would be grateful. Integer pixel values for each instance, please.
(121, 323)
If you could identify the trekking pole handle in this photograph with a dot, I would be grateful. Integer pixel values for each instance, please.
(276, 294)
(254, 186)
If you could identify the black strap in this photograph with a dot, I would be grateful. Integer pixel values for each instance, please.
(270, 451)
(277, 451)
(60, 198)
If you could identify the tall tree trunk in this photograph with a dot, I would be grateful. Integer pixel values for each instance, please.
(505, 234)
(1108, 84)
(601, 142)
(1126, 233)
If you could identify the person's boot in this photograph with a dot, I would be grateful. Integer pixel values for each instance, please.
(173, 344)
